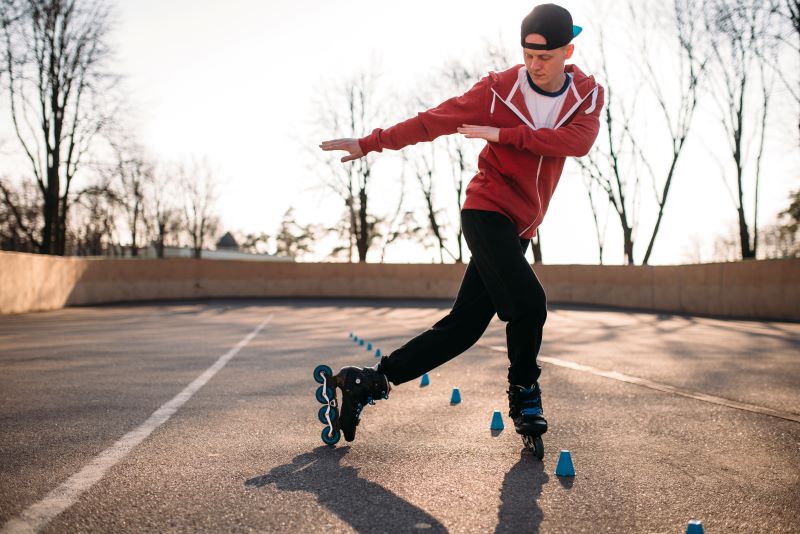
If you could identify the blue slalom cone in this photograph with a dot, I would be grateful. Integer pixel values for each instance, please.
(369, 347)
(361, 342)
(355, 339)
(351, 335)
(695, 527)
(497, 421)
(455, 398)
(425, 381)
(377, 353)
(565, 467)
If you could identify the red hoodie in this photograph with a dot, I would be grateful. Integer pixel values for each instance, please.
(517, 175)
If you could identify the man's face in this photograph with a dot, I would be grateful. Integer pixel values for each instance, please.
(546, 66)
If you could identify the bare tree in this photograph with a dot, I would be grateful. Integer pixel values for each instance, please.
(422, 161)
(348, 112)
(11, 11)
(782, 239)
(61, 96)
(739, 30)
(93, 229)
(401, 225)
(457, 77)
(405, 227)
(256, 243)
(19, 217)
(162, 211)
(615, 158)
(293, 239)
(132, 172)
(683, 24)
(200, 190)
(787, 34)
(593, 188)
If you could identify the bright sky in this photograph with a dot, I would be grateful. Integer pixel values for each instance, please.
(236, 82)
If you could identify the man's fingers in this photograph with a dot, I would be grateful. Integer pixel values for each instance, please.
(335, 144)
(488, 133)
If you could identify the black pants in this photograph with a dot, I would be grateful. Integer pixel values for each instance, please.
(498, 280)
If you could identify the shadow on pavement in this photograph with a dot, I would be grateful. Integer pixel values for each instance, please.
(519, 508)
(362, 504)
(566, 482)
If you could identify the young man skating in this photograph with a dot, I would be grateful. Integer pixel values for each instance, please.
(533, 117)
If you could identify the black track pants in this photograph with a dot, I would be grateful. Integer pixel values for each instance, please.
(498, 280)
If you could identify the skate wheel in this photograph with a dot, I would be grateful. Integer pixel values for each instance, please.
(535, 445)
(322, 370)
(322, 414)
(321, 394)
(328, 439)
(538, 448)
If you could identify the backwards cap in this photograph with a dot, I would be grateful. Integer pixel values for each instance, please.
(552, 22)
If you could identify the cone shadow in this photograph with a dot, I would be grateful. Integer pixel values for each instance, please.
(360, 503)
(519, 508)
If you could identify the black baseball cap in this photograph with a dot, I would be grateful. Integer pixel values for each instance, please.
(552, 22)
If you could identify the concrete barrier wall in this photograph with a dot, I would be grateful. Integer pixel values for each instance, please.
(757, 289)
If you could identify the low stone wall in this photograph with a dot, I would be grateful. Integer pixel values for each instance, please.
(756, 290)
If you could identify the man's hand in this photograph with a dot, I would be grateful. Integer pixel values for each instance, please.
(490, 133)
(349, 144)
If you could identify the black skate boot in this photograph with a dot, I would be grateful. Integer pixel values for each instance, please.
(525, 409)
(360, 386)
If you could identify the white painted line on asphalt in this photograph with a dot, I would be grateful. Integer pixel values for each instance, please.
(614, 375)
(36, 516)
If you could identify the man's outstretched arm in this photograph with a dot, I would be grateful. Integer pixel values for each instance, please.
(426, 126)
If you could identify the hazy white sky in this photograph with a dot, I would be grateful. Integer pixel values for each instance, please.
(236, 82)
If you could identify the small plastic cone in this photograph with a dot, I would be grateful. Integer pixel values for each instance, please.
(565, 467)
(425, 380)
(377, 353)
(455, 398)
(497, 421)
(695, 527)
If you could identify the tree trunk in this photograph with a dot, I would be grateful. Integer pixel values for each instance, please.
(628, 235)
(162, 228)
(362, 239)
(536, 245)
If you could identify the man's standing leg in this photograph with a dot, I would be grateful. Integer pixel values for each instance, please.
(519, 299)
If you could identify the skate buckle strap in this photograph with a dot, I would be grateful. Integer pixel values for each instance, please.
(531, 411)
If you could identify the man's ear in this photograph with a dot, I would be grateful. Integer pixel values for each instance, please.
(570, 50)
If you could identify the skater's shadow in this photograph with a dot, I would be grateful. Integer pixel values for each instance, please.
(362, 504)
(519, 507)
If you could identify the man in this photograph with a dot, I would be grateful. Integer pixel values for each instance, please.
(532, 117)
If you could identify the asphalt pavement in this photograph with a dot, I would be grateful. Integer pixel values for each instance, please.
(201, 416)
